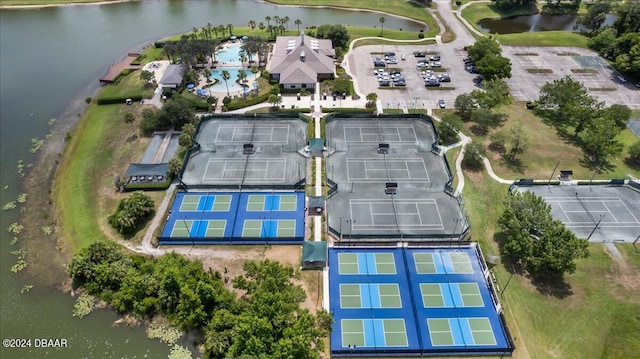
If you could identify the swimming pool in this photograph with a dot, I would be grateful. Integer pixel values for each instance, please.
(234, 87)
(230, 54)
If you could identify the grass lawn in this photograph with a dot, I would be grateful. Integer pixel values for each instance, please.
(592, 315)
(358, 31)
(395, 7)
(546, 148)
(130, 85)
(389, 42)
(101, 148)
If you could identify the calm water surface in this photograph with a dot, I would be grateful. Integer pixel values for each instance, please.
(533, 23)
(48, 57)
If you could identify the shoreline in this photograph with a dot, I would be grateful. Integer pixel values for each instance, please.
(43, 6)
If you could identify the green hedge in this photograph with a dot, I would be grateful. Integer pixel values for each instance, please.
(348, 110)
(249, 101)
(152, 186)
(117, 100)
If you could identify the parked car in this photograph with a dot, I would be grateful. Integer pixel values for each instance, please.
(442, 104)
(622, 79)
(436, 64)
(422, 65)
(444, 78)
(379, 64)
(435, 58)
(402, 57)
(419, 54)
(430, 82)
(384, 83)
(390, 54)
(392, 60)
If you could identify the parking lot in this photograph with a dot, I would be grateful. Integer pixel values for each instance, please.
(524, 86)
(414, 94)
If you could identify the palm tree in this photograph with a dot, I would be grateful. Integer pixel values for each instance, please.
(209, 29)
(277, 20)
(275, 100)
(226, 76)
(230, 27)
(243, 57)
(222, 29)
(215, 30)
(298, 22)
(242, 77)
(286, 22)
(252, 24)
(261, 26)
(281, 28)
(382, 20)
(371, 99)
(254, 69)
(194, 35)
(267, 19)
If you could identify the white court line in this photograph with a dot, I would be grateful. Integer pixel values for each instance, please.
(601, 200)
(362, 227)
(360, 127)
(267, 161)
(565, 213)
(236, 129)
(406, 161)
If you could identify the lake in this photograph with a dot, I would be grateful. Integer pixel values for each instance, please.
(533, 23)
(51, 57)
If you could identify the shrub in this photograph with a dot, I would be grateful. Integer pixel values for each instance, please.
(131, 212)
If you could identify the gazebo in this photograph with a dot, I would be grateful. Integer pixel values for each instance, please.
(314, 255)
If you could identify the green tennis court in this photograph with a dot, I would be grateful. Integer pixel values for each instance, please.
(197, 228)
(269, 228)
(366, 263)
(451, 295)
(442, 262)
(374, 333)
(205, 202)
(370, 295)
(460, 331)
(261, 203)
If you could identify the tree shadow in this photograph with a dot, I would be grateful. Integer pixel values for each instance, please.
(514, 165)
(552, 286)
(632, 164)
(478, 130)
(602, 166)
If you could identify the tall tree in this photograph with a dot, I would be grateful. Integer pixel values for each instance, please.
(226, 76)
(595, 16)
(285, 21)
(561, 97)
(465, 104)
(495, 93)
(242, 78)
(535, 240)
(482, 47)
(252, 24)
(382, 20)
(474, 154)
(298, 22)
(519, 141)
(268, 20)
(494, 66)
(600, 141)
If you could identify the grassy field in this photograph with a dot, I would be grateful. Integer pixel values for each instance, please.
(546, 148)
(129, 86)
(396, 7)
(365, 42)
(101, 148)
(593, 314)
(357, 31)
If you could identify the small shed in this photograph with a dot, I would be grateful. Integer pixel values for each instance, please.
(172, 77)
(314, 255)
(316, 205)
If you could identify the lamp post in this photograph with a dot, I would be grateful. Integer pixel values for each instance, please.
(351, 223)
(340, 229)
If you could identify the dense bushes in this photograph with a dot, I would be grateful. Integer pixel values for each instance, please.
(175, 113)
(265, 322)
(131, 212)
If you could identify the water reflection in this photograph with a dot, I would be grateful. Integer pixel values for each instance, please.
(533, 23)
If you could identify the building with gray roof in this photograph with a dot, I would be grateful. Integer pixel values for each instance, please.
(301, 61)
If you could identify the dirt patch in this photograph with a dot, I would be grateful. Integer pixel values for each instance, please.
(624, 277)
(229, 261)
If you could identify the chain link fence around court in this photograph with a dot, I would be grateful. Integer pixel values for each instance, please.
(634, 126)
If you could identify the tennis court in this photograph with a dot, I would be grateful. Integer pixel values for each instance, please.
(389, 183)
(607, 213)
(413, 301)
(235, 217)
(258, 153)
